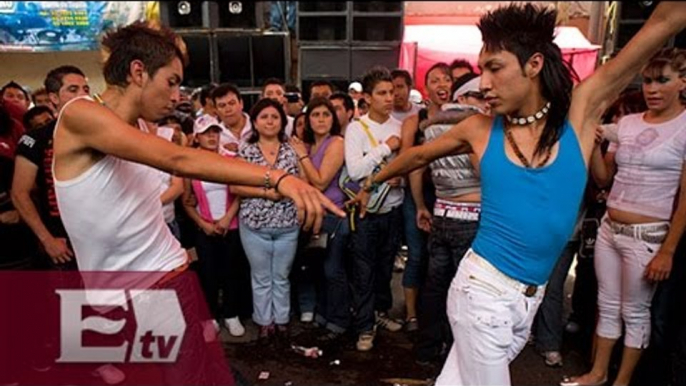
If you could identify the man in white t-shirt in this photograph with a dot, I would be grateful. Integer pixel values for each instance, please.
(236, 126)
(377, 238)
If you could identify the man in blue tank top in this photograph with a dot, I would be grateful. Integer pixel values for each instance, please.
(533, 155)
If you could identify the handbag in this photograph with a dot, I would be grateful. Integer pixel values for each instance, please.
(351, 187)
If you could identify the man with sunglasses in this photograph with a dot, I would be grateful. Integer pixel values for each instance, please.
(469, 94)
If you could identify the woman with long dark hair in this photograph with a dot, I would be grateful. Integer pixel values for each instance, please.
(321, 158)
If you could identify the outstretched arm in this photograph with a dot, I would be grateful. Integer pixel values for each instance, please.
(454, 141)
(592, 96)
(96, 127)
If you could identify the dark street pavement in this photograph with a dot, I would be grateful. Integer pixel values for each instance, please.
(390, 362)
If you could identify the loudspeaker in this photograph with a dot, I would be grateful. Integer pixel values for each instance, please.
(364, 58)
(200, 70)
(271, 57)
(234, 59)
(333, 62)
(240, 14)
(250, 59)
(184, 14)
(632, 17)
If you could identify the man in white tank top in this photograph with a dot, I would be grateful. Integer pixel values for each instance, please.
(108, 193)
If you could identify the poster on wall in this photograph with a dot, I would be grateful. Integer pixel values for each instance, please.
(38, 26)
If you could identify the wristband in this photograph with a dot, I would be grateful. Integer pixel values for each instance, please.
(278, 181)
(303, 157)
(370, 186)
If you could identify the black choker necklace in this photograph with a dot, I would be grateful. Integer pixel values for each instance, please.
(531, 118)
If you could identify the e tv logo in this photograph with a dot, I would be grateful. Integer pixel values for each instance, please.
(160, 326)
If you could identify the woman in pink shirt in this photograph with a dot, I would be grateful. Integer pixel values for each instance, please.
(218, 244)
(645, 217)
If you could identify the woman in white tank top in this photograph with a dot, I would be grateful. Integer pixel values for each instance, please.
(645, 219)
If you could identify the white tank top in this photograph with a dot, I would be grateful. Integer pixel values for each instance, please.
(114, 219)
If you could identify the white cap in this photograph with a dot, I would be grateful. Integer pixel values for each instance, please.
(471, 86)
(205, 122)
(416, 97)
(357, 86)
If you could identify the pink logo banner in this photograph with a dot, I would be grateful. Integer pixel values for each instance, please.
(102, 328)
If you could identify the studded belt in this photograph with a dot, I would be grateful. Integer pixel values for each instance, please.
(654, 233)
(457, 210)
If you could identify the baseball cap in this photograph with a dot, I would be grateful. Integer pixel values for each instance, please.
(356, 86)
(471, 86)
(205, 122)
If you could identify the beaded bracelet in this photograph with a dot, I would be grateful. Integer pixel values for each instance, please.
(267, 180)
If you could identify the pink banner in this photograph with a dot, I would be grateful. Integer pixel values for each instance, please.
(425, 45)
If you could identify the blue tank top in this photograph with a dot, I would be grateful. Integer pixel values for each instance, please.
(528, 215)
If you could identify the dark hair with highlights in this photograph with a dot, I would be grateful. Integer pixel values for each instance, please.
(155, 47)
(374, 76)
(673, 57)
(525, 30)
(308, 133)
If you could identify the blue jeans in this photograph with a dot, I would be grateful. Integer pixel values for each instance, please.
(270, 252)
(448, 242)
(373, 245)
(548, 323)
(334, 301)
(416, 243)
(280, 10)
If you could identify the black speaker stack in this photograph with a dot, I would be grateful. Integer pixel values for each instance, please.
(227, 42)
(339, 41)
(632, 16)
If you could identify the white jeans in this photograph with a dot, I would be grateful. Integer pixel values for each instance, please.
(623, 291)
(490, 320)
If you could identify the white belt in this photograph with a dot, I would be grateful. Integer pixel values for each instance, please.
(526, 289)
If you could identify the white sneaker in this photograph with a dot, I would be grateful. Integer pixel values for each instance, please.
(307, 317)
(234, 326)
(110, 374)
(210, 330)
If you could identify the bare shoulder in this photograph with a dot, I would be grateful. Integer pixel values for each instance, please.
(411, 120)
(474, 128)
(337, 142)
(77, 115)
